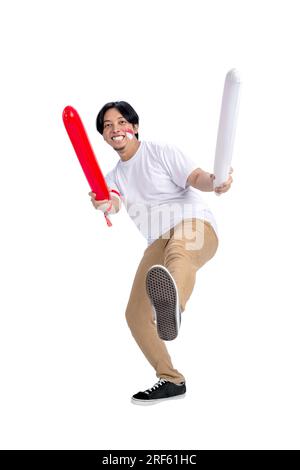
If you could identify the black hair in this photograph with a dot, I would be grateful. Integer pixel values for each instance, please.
(124, 108)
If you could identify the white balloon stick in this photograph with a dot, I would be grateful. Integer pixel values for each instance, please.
(227, 127)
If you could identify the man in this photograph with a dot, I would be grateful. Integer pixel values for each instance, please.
(160, 188)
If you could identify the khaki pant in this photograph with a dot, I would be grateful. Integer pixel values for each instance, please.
(183, 250)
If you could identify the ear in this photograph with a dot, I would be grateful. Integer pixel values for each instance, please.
(135, 128)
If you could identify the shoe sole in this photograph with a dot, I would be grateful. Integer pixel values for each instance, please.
(162, 291)
(158, 400)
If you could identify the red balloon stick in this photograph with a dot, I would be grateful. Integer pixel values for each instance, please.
(85, 154)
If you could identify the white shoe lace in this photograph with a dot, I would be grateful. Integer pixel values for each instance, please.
(155, 386)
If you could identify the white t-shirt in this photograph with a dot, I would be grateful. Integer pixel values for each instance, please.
(152, 185)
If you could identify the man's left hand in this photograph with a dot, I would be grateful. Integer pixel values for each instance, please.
(225, 186)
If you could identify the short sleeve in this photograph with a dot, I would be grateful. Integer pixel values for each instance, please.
(111, 182)
(178, 165)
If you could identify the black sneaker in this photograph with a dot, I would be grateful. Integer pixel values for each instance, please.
(161, 391)
(162, 291)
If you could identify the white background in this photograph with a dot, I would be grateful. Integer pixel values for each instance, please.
(68, 362)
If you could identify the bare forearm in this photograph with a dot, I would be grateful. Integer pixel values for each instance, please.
(116, 202)
(202, 180)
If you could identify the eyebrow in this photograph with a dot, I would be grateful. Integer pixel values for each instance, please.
(108, 120)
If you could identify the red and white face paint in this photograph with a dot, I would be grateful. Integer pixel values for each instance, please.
(129, 133)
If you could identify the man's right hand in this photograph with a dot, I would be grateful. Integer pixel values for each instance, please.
(111, 206)
(103, 205)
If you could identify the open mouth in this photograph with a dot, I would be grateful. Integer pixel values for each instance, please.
(118, 138)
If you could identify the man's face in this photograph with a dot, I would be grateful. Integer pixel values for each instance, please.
(114, 129)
